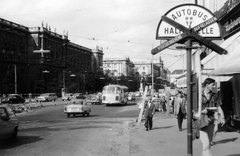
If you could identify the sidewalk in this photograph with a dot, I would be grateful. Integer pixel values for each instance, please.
(166, 140)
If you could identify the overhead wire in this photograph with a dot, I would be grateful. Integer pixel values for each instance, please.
(90, 9)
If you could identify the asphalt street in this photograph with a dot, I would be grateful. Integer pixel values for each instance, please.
(164, 139)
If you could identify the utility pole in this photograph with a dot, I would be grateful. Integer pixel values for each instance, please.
(15, 78)
(152, 76)
(64, 83)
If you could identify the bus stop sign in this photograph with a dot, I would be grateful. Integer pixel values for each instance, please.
(189, 21)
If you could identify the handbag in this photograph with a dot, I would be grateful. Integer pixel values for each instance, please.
(183, 109)
(204, 121)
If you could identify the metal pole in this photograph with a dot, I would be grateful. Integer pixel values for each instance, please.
(64, 83)
(189, 97)
(15, 78)
(152, 76)
(196, 1)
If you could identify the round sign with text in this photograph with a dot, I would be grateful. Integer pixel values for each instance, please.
(188, 15)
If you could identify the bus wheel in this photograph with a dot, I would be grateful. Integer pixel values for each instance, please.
(68, 115)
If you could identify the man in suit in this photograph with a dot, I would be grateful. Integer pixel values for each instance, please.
(181, 107)
(148, 113)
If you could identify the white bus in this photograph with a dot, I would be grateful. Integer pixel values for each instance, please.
(114, 94)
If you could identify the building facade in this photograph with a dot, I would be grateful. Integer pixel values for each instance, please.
(36, 60)
(135, 70)
(118, 67)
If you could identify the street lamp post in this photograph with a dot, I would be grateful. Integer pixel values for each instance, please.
(152, 76)
(64, 82)
(64, 79)
(129, 81)
(117, 80)
(15, 78)
(45, 78)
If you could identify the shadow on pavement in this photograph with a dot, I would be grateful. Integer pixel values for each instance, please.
(21, 140)
(226, 140)
(80, 116)
(155, 128)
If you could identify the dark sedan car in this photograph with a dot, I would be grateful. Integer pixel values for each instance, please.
(13, 98)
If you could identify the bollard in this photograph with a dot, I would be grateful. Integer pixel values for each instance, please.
(54, 103)
(41, 103)
(30, 97)
(25, 108)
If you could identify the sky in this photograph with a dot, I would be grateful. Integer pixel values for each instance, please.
(122, 28)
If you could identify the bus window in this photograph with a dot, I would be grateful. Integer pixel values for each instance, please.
(104, 90)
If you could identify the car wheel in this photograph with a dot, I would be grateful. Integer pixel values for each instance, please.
(14, 134)
(68, 115)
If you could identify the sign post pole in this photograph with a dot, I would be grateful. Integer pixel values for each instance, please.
(189, 97)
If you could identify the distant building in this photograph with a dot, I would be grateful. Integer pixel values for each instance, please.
(97, 60)
(118, 66)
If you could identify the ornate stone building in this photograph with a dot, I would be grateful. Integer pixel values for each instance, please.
(36, 60)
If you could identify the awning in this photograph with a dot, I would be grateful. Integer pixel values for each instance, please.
(230, 66)
(214, 60)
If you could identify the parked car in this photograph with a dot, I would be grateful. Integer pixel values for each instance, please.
(77, 106)
(78, 96)
(47, 97)
(96, 99)
(17, 108)
(9, 125)
(67, 97)
(13, 98)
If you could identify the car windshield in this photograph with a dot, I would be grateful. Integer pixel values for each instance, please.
(111, 89)
(44, 95)
(12, 95)
(77, 102)
(80, 97)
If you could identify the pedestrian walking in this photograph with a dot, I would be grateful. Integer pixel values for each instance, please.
(218, 119)
(210, 104)
(180, 109)
(176, 102)
(149, 111)
(164, 104)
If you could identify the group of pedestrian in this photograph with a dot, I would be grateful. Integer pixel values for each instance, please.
(211, 106)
